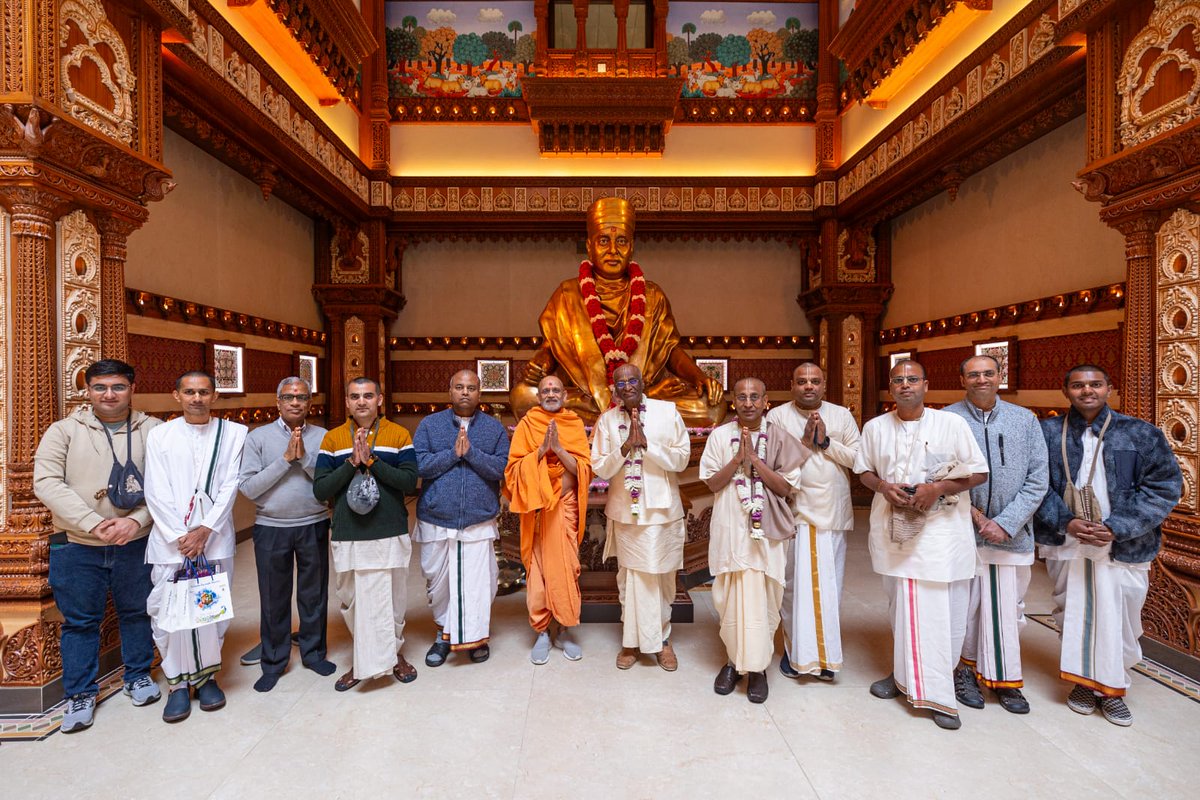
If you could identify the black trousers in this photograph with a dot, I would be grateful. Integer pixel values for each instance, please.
(276, 552)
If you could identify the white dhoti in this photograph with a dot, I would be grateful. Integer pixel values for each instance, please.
(923, 642)
(648, 556)
(1098, 608)
(747, 603)
(188, 657)
(816, 565)
(995, 619)
(461, 575)
(372, 587)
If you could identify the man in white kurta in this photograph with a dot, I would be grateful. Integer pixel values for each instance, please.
(191, 454)
(639, 447)
(816, 558)
(899, 452)
(743, 460)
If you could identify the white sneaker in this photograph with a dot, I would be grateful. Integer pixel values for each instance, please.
(81, 710)
(143, 691)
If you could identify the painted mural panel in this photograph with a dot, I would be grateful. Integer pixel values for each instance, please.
(459, 49)
(736, 49)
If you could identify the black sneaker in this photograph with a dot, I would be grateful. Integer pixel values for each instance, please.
(966, 689)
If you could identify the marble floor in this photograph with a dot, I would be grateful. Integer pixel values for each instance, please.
(509, 729)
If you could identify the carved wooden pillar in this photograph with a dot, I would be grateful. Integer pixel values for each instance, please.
(32, 375)
(114, 234)
(581, 58)
(1137, 390)
(621, 12)
(374, 135)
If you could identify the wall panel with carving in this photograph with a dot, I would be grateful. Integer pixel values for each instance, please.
(79, 306)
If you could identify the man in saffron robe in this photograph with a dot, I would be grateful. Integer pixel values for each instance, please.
(609, 315)
(743, 461)
(546, 480)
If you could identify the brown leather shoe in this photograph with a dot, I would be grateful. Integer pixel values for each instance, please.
(667, 659)
(727, 678)
(404, 671)
(346, 682)
(756, 690)
(626, 658)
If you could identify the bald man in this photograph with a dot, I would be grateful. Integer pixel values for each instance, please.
(749, 463)
(461, 455)
(816, 565)
(549, 470)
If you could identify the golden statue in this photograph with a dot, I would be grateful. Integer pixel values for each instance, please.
(611, 315)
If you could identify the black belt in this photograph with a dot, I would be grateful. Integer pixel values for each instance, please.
(58, 538)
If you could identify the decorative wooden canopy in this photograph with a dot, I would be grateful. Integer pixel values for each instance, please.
(601, 116)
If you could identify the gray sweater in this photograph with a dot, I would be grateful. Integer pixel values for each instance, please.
(281, 490)
(1015, 449)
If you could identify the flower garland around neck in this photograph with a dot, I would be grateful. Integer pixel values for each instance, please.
(750, 488)
(615, 355)
(633, 463)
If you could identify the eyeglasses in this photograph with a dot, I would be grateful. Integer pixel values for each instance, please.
(115, 388)
(987, 373)
(295, 398)
(911, 380)
(632, 383)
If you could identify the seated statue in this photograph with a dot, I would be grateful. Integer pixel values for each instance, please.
(611, 315)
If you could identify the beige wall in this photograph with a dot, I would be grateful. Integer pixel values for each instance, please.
(500, 288)
(215, 240)
(1017, 231)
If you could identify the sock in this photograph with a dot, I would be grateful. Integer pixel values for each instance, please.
(323, 667)
(267, 682)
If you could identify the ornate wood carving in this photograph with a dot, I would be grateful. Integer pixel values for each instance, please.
(176, 310)
(79, 310)
(114, 232)
(4, 363)
(31, 656)
(1084, 301)
(332, 32)
(601, 115)
(688, 110)
(852, 365)
(86, 35)
(350, 255)
(1138, 389)
(1014, 88)
(219, 74)
(1159, 82)
(880, 33)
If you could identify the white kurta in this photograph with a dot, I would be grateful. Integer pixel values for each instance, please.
(823, 499)
(177, 462)
(178, 456)
(748, 574)
(648, 545)
(900, 452)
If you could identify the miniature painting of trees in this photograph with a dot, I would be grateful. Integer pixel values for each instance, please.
(734, 52)
(525, 51)
(437, 47)
(470, 50)
(764, 46)
(677, 54)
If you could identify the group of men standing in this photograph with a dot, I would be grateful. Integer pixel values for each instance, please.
(961, 495)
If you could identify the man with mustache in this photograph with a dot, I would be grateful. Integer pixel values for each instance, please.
(547, 477)
(918, 460)
(640, 446)
(744, 461)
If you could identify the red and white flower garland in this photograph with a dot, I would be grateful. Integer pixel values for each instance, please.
(750, 491)
(615, 355)
(633, 465)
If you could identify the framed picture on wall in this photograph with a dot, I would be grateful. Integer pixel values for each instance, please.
(493, 374)
(717, 368)
(896, 358)
(306, 368)
(1005, 353)
(226, 362)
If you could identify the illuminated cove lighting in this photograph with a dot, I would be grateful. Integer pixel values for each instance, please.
(268, 25)
(938, 39)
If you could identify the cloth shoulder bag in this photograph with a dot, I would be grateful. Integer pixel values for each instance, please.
(126, 488)
(1082, 499)
(202, 502)
(363, 493)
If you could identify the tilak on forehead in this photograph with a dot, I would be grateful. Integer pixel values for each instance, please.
(609, 211)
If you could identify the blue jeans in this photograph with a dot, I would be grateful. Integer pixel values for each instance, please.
(82, 577)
